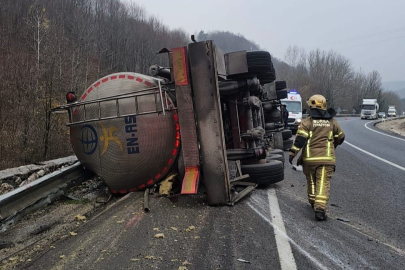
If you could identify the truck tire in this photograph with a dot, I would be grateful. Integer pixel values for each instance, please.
(265, 174)
(277, 152)
(267, 106)
(287, 133)
(287, 144)
(275, 157)
(259, 61)
(273, 116)
(282, 94)
(278, 140)
(280, 85)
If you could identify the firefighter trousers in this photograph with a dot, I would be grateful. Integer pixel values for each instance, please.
(318, 182)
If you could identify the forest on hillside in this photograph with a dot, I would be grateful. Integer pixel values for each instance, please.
(50, 47)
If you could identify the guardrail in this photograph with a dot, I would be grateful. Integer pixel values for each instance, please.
(23, 200)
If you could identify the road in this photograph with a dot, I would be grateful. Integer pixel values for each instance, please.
(272, 229)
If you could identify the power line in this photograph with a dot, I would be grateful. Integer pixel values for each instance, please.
(385, 32)
(369, 43)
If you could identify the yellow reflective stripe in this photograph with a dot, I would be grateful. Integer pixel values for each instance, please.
(302, 132)
(322, 181)
(338, 135)
(319, 158)
(322, 197)
(312, 186)
(308, 144)
(295, 148)
(321, 201)
(328, 145)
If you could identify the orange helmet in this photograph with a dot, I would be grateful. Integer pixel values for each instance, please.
(317, 102)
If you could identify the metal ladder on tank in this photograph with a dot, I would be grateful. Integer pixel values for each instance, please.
(161, 105)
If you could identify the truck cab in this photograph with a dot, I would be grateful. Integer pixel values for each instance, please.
(392, 111)
(369, 109)
(294, 107)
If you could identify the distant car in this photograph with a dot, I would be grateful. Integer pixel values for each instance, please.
(381, 115)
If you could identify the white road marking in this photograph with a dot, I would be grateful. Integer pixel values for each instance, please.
(283, 234)
(377, 157)
(284, 249)
(381, 132)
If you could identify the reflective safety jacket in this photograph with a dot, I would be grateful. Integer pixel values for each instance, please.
(318, 138)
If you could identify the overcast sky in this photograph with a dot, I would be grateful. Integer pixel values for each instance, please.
(371, 33)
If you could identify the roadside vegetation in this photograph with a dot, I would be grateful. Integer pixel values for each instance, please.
(50, 47)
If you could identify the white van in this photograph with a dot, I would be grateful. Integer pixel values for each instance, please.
(294, 107)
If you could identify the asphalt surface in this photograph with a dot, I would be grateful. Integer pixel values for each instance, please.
(365, 229)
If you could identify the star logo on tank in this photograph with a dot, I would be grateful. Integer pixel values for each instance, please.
(108, 135)
(89, 139)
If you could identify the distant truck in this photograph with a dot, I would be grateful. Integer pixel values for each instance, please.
(369, 109)
(392, 111)
(294, 107)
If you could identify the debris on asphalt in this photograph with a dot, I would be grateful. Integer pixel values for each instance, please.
(292, 185)
(80, 218)
(335, 205)
(343, 219)
(166, 185)
(190, 228)
(242, 260)
(156, 229)
(174, 228)
(135, 260)
(186, 263)
(73, 233)
(182, 268)
(159, 235)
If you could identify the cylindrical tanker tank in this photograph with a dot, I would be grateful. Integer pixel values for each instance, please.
(126, 140)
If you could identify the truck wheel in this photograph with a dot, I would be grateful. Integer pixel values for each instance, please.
(277, 152)
(282, 94)
(287, 144)
(275, 157)
(280, 85)
(273, 116)
(265, 174)
(287, 133)
(278, 140)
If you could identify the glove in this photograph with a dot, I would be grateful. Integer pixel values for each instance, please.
(290, 159)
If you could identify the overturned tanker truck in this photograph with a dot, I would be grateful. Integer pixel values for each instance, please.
(209, 116)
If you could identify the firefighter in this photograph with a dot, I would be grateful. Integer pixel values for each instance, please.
(318, 136)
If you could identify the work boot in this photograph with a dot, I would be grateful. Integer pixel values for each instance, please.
(320, 215)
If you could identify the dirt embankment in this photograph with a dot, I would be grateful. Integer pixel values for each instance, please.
(393, 126)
